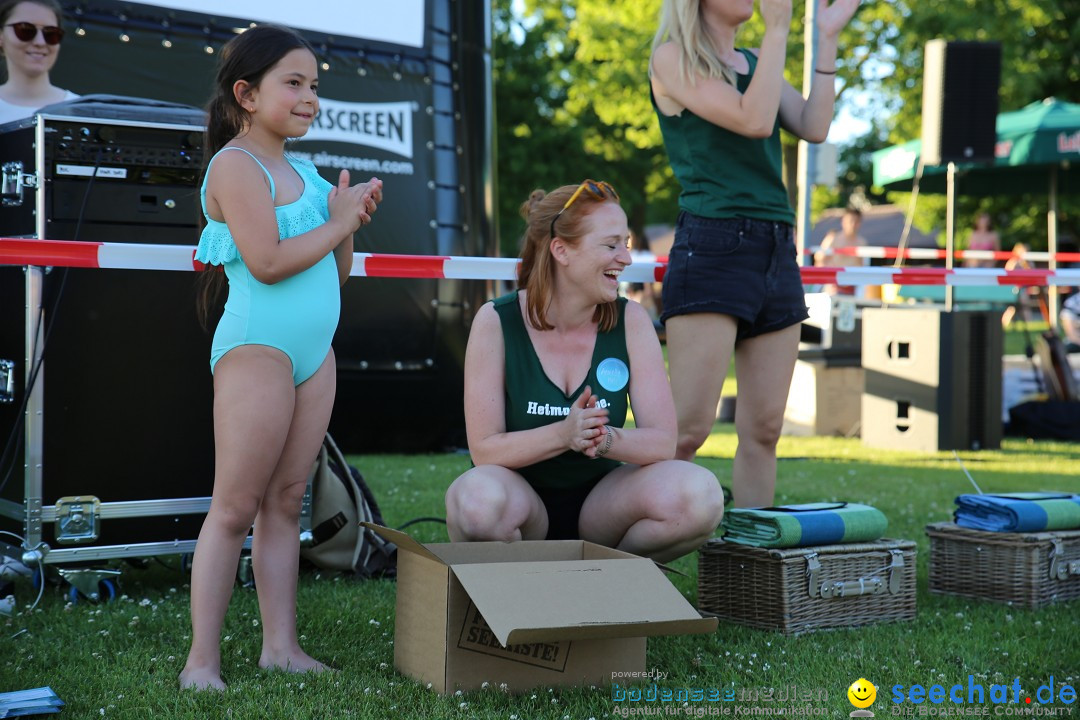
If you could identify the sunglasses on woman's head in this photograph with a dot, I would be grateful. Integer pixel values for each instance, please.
(27, 31)
(599, 190)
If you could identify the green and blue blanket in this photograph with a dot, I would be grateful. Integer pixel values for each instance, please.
(803, 525)
(1018, 512)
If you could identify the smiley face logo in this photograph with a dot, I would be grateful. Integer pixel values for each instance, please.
(862, 693)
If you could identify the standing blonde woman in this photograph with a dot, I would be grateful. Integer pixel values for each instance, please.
(733, 284)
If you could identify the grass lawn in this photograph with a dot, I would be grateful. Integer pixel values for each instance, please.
(1016, 338)
(120, 659)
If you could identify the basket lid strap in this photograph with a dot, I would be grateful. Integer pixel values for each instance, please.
(813, 568)
(895, 571)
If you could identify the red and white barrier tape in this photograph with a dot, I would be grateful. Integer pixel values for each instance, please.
(130, 256)
(939, 254)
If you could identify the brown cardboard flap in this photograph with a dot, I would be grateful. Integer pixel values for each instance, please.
(592, 551)
(454, 553)
(567, 600)
(403, 541)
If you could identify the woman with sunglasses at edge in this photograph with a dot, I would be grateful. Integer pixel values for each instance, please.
(550, 371)
(732, 284)
(32, 31)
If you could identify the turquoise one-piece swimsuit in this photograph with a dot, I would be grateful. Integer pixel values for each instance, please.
(297, 315)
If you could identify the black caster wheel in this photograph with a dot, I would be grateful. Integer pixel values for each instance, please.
(106, 593)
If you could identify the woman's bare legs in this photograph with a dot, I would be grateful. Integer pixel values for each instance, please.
(699, 354)
(661, 511)
(763, 366)
(490, 502)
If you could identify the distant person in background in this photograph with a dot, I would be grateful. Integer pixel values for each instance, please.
(30, 43)
(1019, 258)
(1070, 322)
(983, 237)
(1029, 298)
(847, 237)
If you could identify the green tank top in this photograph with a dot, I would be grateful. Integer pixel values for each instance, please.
(533, 400)
(724, 174)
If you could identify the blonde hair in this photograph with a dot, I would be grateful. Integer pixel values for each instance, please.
(536, 274)
(681, 24)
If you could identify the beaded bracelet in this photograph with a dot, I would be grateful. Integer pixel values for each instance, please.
(602, 450)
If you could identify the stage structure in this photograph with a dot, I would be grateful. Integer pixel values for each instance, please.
(113, 455)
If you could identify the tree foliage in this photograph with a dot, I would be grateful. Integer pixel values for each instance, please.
(572, 96)
(572, 101)
(1040, 42)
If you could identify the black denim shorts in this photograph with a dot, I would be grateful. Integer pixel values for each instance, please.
(739, 267)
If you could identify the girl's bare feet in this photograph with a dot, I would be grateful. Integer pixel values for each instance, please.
(201, 679)
(296, 661)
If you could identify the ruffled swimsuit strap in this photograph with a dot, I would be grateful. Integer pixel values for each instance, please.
(206, 175)
(216, 244)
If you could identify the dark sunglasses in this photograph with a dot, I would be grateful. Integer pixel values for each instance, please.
(599, 190)
(26, 32)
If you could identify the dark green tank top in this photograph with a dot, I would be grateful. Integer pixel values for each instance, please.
(724, 174)
(533, 400)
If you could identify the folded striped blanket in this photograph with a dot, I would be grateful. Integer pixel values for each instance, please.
(1018, 512)
(803, 525)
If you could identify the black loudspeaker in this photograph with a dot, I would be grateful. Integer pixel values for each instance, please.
(932, 379)
(960, 101)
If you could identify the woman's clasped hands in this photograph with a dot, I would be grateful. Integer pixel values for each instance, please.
(585, 427)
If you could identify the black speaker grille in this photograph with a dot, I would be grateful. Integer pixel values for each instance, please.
(960, 101)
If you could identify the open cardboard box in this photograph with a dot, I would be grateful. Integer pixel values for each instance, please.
(528, 614)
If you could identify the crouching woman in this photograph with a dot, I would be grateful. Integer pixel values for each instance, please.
(550, 372)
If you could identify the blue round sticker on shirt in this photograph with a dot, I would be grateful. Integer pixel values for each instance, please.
(612, 374)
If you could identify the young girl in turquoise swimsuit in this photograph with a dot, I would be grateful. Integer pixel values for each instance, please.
(284, 238)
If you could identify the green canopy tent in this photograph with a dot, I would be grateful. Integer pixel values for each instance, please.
(1037, 147)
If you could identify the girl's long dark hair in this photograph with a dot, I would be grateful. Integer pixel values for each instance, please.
(248, 56)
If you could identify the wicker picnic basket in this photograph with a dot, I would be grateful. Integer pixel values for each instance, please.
(1030, 569)
(796, 590)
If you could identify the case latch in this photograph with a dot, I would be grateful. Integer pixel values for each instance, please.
(14, 181)
(78, 519)
(7, 381)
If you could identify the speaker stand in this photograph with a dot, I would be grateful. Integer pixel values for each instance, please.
(950, 230)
